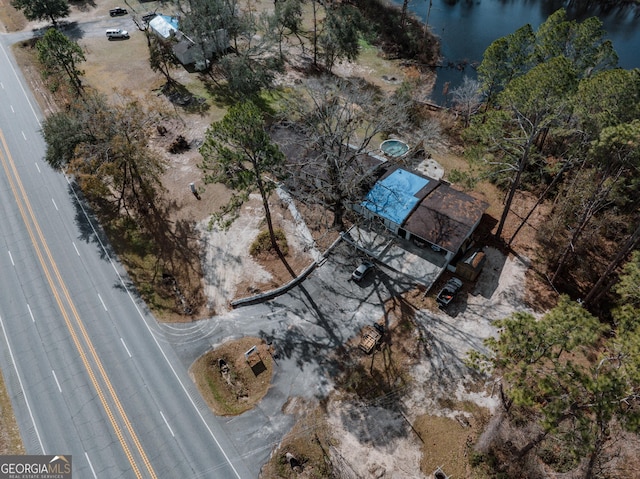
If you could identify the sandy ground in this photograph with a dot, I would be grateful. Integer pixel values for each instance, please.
(381, 450)
(384, 447)
(227, 264)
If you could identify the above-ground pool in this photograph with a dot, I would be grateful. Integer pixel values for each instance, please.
(394, 148)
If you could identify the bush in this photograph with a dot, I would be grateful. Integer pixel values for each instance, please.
(179, 145)
(476, 459)
(262, 243)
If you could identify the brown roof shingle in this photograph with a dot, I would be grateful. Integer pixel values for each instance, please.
(445, 216)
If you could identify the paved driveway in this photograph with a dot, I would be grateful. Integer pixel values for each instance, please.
(304, 325)
(422, 265)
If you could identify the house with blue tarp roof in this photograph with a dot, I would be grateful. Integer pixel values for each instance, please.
(185, 49)
(426, 211)
(395, 196)
(164, 26)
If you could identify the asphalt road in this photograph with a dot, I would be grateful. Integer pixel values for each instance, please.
(88, 370)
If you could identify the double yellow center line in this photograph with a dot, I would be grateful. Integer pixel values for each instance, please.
(74, 324)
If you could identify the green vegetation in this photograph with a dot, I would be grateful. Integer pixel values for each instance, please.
(239, 153)
(43, 9)
(558, 120)
(105, 146)
(262, 244)
(561, 122)
(573, 376)
(60, 57)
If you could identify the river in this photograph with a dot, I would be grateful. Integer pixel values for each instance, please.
(466, 28)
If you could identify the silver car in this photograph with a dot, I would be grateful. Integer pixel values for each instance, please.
(117, 33)
(361, 271)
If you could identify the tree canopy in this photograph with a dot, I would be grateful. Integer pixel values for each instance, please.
(61, 56)
(529, 105)
(557, 117)
(105, 146)
(338, 120)
(583, 44)
(608, 98)
(43, 9)
(571, 375)
(339, 38)
(239, 153)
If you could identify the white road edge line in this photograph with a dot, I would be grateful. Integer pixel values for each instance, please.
(164, 355)
(168, 427)
(126, 348)
(15, 73)
(56, 378)
(90, 465)
(103, 305)
(24, 393)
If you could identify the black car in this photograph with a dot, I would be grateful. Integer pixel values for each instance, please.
(448, 292)
(147, 17)
(114, 12)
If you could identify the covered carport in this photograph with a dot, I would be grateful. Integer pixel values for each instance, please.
(424, 266)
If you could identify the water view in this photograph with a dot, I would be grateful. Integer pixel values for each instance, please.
(467, 28)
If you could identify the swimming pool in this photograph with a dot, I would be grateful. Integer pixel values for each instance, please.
(395, 148)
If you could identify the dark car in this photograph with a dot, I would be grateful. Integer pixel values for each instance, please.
(147, 17)
(361, 271)
(115, 12)
(448, 292)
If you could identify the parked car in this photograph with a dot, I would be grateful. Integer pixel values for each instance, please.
(117, 33)
(147, 17)
(448, 292)
(115, 12)
(361, 271)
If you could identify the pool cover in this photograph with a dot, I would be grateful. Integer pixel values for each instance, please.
(394, 197)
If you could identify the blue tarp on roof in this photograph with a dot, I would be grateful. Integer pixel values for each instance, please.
(394, 197)
(164, 25)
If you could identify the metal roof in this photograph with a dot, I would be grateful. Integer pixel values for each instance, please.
(164, 25)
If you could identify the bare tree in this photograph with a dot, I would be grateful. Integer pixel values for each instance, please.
(615, 159)
(467, 98)
(338, 120)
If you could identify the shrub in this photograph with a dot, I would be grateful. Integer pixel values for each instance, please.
(262, 243)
